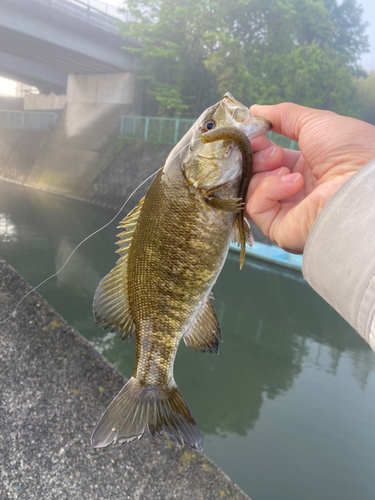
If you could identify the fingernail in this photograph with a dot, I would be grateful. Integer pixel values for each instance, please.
(283, 170)
(266, 154)
(291, 177)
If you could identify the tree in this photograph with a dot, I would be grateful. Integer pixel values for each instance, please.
(192, 52)
(172, 54)
(366, 97)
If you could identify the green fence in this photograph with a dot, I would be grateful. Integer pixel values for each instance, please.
(163, 130)
(171, 130)
(282, 141)
(30, 120)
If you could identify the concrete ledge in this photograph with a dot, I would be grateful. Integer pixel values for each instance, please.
(53, 388)
(272, 253)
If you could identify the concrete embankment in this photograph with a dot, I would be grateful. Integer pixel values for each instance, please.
(123, 165)
(126, 165)
(54, 387)
(19, 150)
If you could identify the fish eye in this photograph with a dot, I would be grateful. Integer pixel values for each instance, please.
(208, 125)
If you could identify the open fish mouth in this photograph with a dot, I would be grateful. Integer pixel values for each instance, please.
(225, 156)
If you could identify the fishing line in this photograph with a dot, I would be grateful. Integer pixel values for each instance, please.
(90, 235)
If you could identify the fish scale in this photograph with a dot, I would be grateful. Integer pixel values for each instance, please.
(173, 247)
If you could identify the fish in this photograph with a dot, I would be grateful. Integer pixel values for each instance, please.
(172, 247)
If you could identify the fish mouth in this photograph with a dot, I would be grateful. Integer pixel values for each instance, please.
(225, 156)
(259, 126)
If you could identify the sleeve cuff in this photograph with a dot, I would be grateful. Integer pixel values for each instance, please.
(339, 256)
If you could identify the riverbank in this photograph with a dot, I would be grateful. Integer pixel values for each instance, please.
(54, 388)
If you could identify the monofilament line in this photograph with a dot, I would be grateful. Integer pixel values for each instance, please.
(87, 237)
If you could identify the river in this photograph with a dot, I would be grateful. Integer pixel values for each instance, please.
(287, 409)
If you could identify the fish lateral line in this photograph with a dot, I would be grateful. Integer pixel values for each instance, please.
(13, 313)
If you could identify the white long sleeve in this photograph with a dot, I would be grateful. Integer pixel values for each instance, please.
(339, 256)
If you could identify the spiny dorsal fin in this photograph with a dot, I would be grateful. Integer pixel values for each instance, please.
(111, 303)
(205, 333)
(237, 238)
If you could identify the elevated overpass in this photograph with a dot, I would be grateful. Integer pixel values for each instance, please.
(44, 41)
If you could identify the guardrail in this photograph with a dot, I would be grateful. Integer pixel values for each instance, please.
(28, 120)
(282, 141)
(154, 129)
(106, 8)
(171, 130)
(89, 14)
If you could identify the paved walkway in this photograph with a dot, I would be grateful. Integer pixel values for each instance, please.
(53, 388)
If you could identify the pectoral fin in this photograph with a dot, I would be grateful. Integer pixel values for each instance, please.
(241, 235)
(226, 204)
(111, 304)
(205, 333)
(235, 237)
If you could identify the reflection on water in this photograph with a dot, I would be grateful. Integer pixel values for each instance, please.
(8, 230)
(287, 409)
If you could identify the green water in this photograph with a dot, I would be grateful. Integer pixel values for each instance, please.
(287, 409)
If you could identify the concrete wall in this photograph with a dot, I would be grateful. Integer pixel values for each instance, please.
(19, 150)
(44, 102)
(77, 148)
(112, 88)
(79, 157)
(125, 170)
(11, 103)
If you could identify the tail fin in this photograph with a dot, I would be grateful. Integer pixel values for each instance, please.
(158, 408)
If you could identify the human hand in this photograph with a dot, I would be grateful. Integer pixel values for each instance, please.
(289, 188)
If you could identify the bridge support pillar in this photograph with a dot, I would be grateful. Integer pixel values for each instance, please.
(111, 88)
(76, 150)
(44, 102)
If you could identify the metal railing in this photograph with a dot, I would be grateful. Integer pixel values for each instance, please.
(85, 11)
(28, 120)
(282, 141)
(171, 130)
(162, 130)
(106, 8)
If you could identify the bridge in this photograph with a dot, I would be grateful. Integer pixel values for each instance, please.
(73, 53)
(44, 41)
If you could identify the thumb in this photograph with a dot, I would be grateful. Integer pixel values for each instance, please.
(287, 118)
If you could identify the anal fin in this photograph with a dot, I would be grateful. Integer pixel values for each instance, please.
(205, 333)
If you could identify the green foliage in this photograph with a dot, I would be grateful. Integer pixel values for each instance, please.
(366, 97)
(264, 51)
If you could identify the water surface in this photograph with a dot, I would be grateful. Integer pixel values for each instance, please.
(287, 409)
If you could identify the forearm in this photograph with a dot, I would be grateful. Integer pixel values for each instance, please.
(339, 256)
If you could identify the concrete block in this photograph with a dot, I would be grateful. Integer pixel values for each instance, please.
(110, 88)
(44, 101)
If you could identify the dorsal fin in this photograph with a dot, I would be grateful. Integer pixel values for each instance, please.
(111, 302)
(205, 333)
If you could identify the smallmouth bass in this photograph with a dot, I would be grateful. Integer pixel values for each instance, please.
(173, 247)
